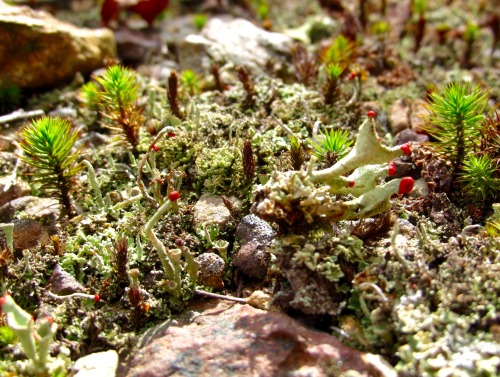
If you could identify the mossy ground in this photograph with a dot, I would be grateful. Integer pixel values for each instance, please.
(437, 309)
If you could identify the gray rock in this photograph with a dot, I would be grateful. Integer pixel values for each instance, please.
(63, 283)
(236, 41)
(211, 270)
(251, 257)
(407, 135)
(45, 209)
(64, 112)
(38, 50)
(225, 339)
(100, 364)
(253, 228)
(7, 159)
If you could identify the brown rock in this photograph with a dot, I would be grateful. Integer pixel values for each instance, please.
(28, 233)
(238, 340)
(252, 260)
(211, 270)
(10, 190)
(399, 115)
(418, 114)
(37, 50)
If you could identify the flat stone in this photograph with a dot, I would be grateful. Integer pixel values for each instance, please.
(38, 50)
(210, 209)
(100, 364)
(236, 41)
(46, 209)
(225, 340)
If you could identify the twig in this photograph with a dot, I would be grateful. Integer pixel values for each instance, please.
(221, 297)
(21, 114)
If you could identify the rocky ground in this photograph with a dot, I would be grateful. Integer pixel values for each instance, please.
(411, 289)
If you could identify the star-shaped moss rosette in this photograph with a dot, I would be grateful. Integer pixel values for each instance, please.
(314, 196)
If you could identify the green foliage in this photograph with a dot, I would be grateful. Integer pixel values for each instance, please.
(261, 8)
(455, 120)
(478, 178)
(118, 98)
(297, 155)
(47, 146)
(90, 94)
(340, 52)
(7, 336)
(190, 82)
(119, 88)
(200, 20)
(471, 32)
(419, 7)
(334, 70)
(332, 145)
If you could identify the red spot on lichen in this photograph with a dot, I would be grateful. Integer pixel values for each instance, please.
(3, 299)
(174, 196)
(371, 114)
(97, 298)
(351, 183)
(392, 168)
(406, 185)
(406, 149)
(155, 148)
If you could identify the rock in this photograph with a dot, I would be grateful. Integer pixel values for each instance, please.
(253, 228)
(210, 209)
(10, 190)
(252, 259)
(211, 270)
(399, 115)
(135, 45)
(236, 41)
(28, 233)
(63, 283)
(239, 340)
(46, 209)
(7, 160)
(38, 50)
(64, 112)
(102, 364)
(408, 135)
(418, 113)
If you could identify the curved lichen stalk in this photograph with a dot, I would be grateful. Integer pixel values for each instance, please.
(313, 195)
